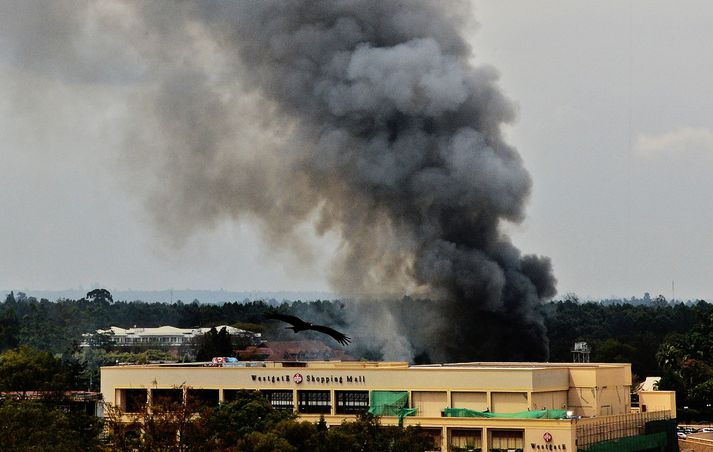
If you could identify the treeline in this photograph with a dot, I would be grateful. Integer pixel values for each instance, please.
(658, 339)
(57, 326)
(619, 332)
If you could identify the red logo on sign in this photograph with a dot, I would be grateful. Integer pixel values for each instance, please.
(547, 437)
(297, 378)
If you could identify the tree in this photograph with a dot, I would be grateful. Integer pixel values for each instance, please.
(27, 425)
(660, 302)
(26, 370)
(368, 435)
(249, 411)
(669, 355)
(672, 381)
(702, 394)
(214, 343)
(613, 351)
(9, 329)
(164, 426)
(100, 296)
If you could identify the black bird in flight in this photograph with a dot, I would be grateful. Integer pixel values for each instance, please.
(300, 325)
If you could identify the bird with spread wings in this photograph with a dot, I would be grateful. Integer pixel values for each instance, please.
(300, 325)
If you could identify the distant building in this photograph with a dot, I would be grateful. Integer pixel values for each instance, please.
(162, 337)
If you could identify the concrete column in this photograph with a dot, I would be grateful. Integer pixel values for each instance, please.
(149, 400)
(221, 396)
(333, 402)
(529, 401)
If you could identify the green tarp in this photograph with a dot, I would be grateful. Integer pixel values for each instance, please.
(539, 414)
(390, 403)
(641, 443)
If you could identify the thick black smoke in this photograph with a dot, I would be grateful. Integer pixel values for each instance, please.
(365, 118)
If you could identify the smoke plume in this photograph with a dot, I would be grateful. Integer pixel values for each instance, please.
(364, 118)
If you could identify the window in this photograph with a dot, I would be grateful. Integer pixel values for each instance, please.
(506, 440)
(434, 434)
(352, 402)
(314, 402)
(167, 397)
(134, 400)
(202, 397)
(468, 439)
(280, 400)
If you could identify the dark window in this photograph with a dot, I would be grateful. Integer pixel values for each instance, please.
(280, 400)
(352, 402)
(203, 397)
(294, 364)
(167, 397)
(134, 400)
(466, 439)
(317, 402)
(231, 395)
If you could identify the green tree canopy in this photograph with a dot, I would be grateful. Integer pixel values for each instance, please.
(25, 369)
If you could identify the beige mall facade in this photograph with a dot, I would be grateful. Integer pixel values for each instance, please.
(597, 397)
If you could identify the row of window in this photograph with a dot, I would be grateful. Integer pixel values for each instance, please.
(320, 402)
(472, 439)
(174, 340)
(308, 402)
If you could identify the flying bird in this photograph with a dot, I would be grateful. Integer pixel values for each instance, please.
(300, 325)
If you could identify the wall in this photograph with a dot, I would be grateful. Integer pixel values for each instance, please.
(658, 401)
(429, 403)
(472, 400)
(508, 402)
(613, 400)
(554, 400)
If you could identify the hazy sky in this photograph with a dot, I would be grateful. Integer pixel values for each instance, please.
(615, 125)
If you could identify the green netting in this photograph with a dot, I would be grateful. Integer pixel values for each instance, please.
(653, 442)
(539, 414)
(388, 403)
(668, 427)
(391, 403)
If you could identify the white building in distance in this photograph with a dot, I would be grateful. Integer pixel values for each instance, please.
(162, 336)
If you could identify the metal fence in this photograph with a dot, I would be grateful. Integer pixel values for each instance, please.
(591, 431)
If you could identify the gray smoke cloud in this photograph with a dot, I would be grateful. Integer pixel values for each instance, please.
(364, 118)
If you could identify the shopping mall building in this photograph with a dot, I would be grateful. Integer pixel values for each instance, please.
(465, 406)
